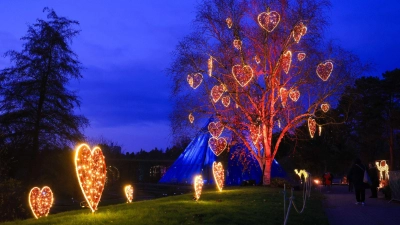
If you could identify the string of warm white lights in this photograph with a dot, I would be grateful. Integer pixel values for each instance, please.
(219, 177)
(198, 186)
(40, 201)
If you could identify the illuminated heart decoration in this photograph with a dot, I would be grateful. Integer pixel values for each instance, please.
(210, 66)
(217, 145)
(215, 129)
(129, 193)
(294, 95)
(40, 201)
(191, 118)
(195, 80)
(269, 20)
(242, 74)
(286, 61)
(299, 31)
(237, 44)
(217, 91)
(312, 126)
(301, 56)
(255, 133)
(198, 186)
(226, 101)
(284, 94)
(324, 70)
(218, 172)
(325, 107)
(91, 171)
(257, 59)
(229, 22)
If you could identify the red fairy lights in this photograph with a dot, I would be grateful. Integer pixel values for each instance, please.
(286, 61)
(299, 31)
(40, 201)
(242, 74)
(91, 170)
(324, 70)
(216, 129)
(217, 145)
(210, 66)
(195, 80)
(325, 107)
(229, 22)
(217, 91)
(284, 94)
(294, 95)
(191, 118)
(226, 100)
(312, 126)
(198, 186)
(237, 44)
(218, 172)
(255, 133)
(301, 56)
(129, 193)
(268, 20)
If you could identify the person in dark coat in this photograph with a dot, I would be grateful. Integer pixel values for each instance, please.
(373, 174)
(356, 174)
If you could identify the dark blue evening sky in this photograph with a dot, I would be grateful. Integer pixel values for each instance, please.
(125, 47)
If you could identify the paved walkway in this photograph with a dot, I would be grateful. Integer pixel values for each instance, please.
(341, 209)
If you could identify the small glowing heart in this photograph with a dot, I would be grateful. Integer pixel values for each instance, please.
(129, 193)
(237, 44)
(312, 126)
(324, 70)
(195, 80)
(226, 101)
(299, 31)
(191, 118)
(294, 95)
(325, 107)
(40, 201)
(301, 56)
(217, 91)
(286, 61)
(229, 22)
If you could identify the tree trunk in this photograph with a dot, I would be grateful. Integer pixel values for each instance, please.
(267, 172)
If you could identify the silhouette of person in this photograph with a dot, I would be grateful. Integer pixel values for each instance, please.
(373, 174)
(357, 176)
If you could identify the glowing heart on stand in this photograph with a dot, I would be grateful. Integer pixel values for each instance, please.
(324, 70)
(299, 31)
(226, 101)
(217, 145)
(216, 128)
(91, 170)
(325, 107)
(129, 193)
(268, 20)
(219, 177)
(40, 201)
(198, 186)
(294, 95)
(195, 80)
(312, 126)
(242, 74)
(217, 91)
(286, 61)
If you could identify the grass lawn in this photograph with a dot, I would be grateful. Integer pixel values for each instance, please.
(234, 205)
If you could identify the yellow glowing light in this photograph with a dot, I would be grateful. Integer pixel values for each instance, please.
(217, 91)
(383, 168)
(286, 61)
(226, 100)
(217, 145)
(255, 133)
(316, 181)
(229, 22)
(198, 186)
(215, 128)
(219, 177)
(237, 44)
(242, 74)
(40, 201)
(324, 70)
(301, 172)
(195, 80)
(91, 171)
(301, 56)
(325, 107)
(294, 95)
(191, 118)
(257, 59)
(129, 193)
(269, 20)
(312, 126)
(319, 130)
(283, 94)
(299, 31)
(210, 66)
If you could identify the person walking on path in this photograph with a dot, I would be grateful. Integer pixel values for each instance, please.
(373, 174)
(357, 175)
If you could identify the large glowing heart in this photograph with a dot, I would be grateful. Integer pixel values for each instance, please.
(286, 61)
(129, 193)
(226, 100)
(229, 22)
(198, 186)
(312, 126)
(324, 70)
(255, 133)
(219, 177)
(301, 56)
(237, 44)
(216, 128)
(299, 31)
(210, 66)
(284, 94)
(242, 74)
(40, 201)
(294, 95)
(268, 20)
(217, 145)
(91, 170)
(217, 91)
(195, 80)
(325, 107)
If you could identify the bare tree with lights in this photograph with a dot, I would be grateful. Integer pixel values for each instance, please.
(259, 67)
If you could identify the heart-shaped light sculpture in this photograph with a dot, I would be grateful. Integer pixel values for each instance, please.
(217, 145)
(219, 177)
(210, 66)
(217, 91)
(286, 61)
(283, 94)
(255, 133)
(229, 22)
(226, 100)
(312, 126)
(40, 201)
(268, 20)
(191, 118)
(194, 80)
(129, 193)
(242, 74)
(301, 56)
(91, 170)
(324, 70)
(237, 44)
(198, 186)
(216, 129)
(325, 107)
(294, 95)
(299, 31)
(257, 59)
